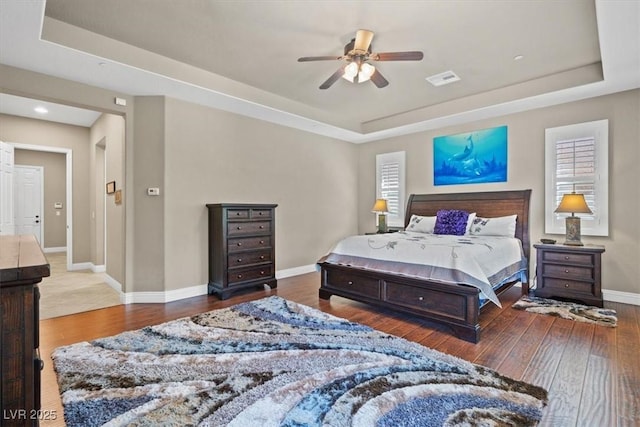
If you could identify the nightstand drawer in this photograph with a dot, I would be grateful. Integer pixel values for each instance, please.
(238, 214)
(261, 213)
(354, 283)
(568, 258)
(568, 271)
(568, 286)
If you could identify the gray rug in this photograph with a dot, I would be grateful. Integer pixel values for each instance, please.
(568, 310)
(273, 362)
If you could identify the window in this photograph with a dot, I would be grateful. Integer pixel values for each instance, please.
(390, 178)
(576, 159)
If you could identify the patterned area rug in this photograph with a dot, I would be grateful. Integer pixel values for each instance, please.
(568, 310)
(273, 362)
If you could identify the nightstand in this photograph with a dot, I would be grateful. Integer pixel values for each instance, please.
(569, 272)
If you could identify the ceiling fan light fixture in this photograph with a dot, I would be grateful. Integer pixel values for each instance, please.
(364, 72)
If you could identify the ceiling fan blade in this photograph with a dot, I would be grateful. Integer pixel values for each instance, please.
(363, 40)
(334, 77)
(378, 79)
(397, 56)
(319, 58)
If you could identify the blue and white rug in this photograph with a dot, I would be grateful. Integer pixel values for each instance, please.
(273, 362)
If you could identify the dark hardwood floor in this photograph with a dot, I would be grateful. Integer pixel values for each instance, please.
(592, 372)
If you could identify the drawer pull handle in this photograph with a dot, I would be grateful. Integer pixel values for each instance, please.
(239, 276)
(238, 213)
(239, 260)
(420, 298)
(239, 243)
(238, 228)
(262, 242)
(260, 213)
(566, 285)
(566, 271)
(349, 282)
(262, 273)
(261, 227)
(567, 257)
(261, 256)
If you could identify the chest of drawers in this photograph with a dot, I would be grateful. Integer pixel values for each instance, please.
(241, 247)
(569, 272)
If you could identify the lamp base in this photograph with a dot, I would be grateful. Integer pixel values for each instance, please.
(572, 224)
(382, 223)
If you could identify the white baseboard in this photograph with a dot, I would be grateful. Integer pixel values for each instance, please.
(281, 274)
(98, 268)
(621, 297)
(166, 296)
(54, 249)
(81, 266)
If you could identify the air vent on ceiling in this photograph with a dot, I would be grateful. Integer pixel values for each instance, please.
(443, 78)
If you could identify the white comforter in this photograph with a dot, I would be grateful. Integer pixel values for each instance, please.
(479, 261)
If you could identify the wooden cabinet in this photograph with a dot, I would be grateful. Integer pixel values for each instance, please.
(22, 267)
(569, 272)
(241, 247)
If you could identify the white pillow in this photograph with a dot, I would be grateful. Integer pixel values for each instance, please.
(499, 226)
(472, 217)
(421, 224)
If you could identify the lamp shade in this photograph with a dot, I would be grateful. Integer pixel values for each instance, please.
(380, 206)
(573, 203)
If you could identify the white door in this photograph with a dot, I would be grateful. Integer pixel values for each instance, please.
(6, 189)
(28, 200)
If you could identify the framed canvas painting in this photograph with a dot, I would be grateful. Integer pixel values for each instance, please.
(471, 158)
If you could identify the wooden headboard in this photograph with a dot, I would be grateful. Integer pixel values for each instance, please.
(486, 204)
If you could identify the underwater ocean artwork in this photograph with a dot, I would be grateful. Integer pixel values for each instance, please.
(471, 158)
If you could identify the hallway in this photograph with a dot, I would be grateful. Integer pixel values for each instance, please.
(69, 292)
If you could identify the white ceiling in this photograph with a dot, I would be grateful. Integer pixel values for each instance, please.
(241, 56)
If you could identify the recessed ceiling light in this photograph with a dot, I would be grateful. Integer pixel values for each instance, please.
(40, 110)
(518, 57)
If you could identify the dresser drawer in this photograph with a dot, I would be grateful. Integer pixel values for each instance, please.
(354, 283)
(248, 228)
(568, 258)
(568, 271)
(249, 274)
(248, 258)
(238, 213)
(249, 243)
(261, 213)
(568, 286)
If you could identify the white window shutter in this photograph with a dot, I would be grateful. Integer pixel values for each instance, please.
(390, 183)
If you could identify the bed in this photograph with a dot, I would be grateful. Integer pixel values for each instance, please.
(455, 305)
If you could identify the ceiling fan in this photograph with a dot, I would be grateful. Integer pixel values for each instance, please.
(357, 54)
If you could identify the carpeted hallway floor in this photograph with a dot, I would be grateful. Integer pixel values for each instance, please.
(68, 292)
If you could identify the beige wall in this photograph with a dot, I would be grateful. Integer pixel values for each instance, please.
(39, 132)
(621, 261)
(55, 190)
(213, 156)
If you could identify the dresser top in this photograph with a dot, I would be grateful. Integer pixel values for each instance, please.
(570, 248)
(21, 258)
(240, 205)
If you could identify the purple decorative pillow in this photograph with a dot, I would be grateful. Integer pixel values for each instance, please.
(452, 222)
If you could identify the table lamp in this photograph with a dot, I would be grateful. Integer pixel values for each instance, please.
(573, 203)
(380, 208)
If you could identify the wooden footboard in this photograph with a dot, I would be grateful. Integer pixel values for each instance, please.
(455, 306)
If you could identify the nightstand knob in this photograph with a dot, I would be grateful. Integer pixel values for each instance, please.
(350, 282)
(261, 227)
(566, 271)
(566, 285)
(261, 256)
(239, 260)
(567, 257)
(420, 298)
(238, 228)
(239, 276)
(239, 244)
(262, 242)
(262, 273)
